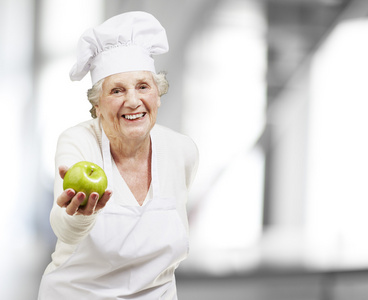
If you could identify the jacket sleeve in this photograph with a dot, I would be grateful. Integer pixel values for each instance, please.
(75, 144)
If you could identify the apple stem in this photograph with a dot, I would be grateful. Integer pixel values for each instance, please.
(91, 172)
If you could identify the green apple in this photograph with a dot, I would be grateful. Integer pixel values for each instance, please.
(85, 177)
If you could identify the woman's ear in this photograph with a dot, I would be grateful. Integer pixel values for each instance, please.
(159, 102)
(97, 109)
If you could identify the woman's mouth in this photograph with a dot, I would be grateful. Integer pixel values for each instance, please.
(134, 116)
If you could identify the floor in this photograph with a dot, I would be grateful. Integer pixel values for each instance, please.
(292, 286)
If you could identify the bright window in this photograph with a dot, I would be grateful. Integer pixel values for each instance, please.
(62, 103)
(224, 105)
(338, 162)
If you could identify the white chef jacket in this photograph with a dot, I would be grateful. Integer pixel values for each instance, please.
(126, 251)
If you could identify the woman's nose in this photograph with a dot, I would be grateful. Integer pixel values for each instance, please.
(132, 99)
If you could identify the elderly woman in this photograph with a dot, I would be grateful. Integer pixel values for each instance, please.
(128, 243)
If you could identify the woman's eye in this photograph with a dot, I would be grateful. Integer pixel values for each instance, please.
(116, 91)
(143, 87)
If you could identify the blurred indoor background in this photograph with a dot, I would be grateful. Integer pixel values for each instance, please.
(275, 95)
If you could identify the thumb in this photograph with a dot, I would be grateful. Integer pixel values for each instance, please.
(62, 171)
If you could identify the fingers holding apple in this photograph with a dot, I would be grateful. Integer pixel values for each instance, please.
(103, 200)
(88, 209)
(85, 177)
(72, 206)
(94, 204)
(65, 197)
(84, 187)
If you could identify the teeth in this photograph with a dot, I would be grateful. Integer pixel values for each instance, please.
(133, 117)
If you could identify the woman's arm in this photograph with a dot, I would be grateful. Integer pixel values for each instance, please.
(69, 222)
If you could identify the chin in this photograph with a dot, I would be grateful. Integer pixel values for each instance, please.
(137, 133)
(135, 130)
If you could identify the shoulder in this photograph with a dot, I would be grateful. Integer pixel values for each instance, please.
(174, 141)
(88, 130)
(80, 142)
(176, 151)
(88, 127)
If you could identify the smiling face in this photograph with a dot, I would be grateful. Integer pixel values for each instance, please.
(128, 105)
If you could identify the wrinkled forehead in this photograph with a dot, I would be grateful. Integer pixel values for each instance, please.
(129, 77)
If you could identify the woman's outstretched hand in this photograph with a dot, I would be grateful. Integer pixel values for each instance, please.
(72, 200)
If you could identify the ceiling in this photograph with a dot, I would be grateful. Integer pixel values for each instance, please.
(295, 28)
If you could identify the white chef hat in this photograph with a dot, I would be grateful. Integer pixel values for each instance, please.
(123, 43)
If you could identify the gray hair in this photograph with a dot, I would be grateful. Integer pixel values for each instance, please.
(94, 93)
